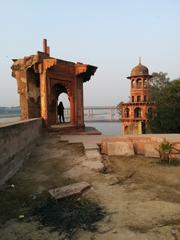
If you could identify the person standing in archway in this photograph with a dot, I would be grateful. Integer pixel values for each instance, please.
(61, 112)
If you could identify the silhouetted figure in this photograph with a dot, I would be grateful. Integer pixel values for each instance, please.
(61, 112)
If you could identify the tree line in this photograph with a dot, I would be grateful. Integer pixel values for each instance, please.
(166, 94)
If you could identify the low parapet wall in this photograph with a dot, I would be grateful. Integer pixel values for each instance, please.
(141, 145)
(16, 143)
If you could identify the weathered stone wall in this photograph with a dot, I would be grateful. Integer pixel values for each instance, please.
(16, 143)
(138, 145)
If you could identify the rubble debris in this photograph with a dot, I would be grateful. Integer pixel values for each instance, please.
(121, 179)
(69, 190)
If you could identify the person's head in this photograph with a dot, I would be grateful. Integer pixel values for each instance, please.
(60, 103)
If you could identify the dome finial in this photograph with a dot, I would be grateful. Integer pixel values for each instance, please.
(139, 70)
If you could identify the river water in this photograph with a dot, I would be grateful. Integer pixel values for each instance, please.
(107, 128)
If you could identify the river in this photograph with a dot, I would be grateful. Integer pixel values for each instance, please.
(107, 128)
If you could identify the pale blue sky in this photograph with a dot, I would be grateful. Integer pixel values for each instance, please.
(110, 34)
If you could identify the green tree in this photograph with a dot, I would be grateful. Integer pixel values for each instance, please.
(159, 80)
(157, 83)
(166, 95)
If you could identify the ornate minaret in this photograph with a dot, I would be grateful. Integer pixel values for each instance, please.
(134, 113)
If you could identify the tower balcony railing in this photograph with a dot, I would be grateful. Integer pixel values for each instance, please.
(139, 103)
(132, 119)
(139, 87)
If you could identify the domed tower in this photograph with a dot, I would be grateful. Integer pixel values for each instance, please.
(134, 113)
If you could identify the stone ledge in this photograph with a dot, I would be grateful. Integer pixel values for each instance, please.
(16, 141)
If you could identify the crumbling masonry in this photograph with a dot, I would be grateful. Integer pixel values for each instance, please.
(41, 79)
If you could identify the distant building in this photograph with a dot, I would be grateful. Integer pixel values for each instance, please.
(134, 113)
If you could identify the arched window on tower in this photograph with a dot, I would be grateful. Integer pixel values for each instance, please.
(132, 83)
(150, 112)
(126, 113)
(145, 98)
(126, 129)
(138, 98)
(139, 83)
(145, 83)
(137, 112)
(132, 98)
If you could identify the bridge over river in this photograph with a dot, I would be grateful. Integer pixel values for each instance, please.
(97, 114)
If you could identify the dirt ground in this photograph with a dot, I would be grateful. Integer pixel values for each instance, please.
(141, 197)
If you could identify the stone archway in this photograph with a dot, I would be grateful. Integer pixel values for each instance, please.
(63, 97)
(56, 91)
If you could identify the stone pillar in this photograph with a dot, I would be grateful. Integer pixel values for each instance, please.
(80, 110)
(72, 109)
(33, 88)
(21, 77)
(75, 103)
(28, 89)
(22, 90)
(44, 97)
(79, 106)
(52, 99)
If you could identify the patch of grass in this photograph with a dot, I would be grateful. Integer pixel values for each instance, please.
(171, 162)
(68, 215)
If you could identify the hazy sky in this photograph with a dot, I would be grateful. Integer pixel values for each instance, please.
(110, 34)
